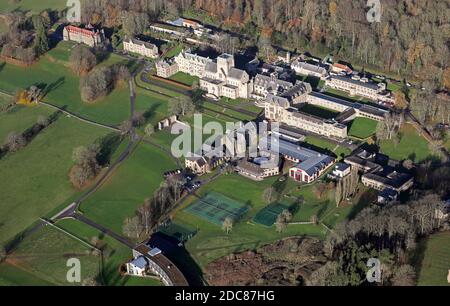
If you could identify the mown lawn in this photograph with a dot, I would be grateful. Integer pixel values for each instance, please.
(363, 128)
(411, 146)
(36, 178)
(327, 145)
(45, 253)
(52, 72)
(20, 118)
(174, 51)
(32, 5)
(184, 78)
(114, 255)
(134, 181)
(41, 258)
(436, 261)
(13, 276)
(211, 242)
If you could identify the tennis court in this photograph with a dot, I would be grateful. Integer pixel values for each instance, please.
(181, 232)
(269, 214)
(215, 207)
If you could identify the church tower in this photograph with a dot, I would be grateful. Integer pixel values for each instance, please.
(224, 64)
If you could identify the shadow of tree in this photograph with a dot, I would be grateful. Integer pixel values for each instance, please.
(47, 89)
(108, 145)
(149, 114)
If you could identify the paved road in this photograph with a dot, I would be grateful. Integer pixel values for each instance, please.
(104, 230)
(71, 114)
(145, 79)
(71, 210)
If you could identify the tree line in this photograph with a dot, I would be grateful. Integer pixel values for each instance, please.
(26, 38)
(15, 141)
(148, 215)
(388, 234)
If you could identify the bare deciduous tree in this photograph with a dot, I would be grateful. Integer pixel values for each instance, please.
(15, 141)
(270, 194)
(181, 106)
(132, 227)
(82, 60)
(227, 225)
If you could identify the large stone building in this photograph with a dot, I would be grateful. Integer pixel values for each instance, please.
(309, 164)
(140, 47)
(88, 35)
(339, 68)
(284, 109)
(340, 105)
(187, 62)
(259, 168)
(378, 172)
(165, 69)
(307, 69)
(264, 85)
(388, 178)
(222, 79)
(362, 87)
(198, 164)
(192, 63)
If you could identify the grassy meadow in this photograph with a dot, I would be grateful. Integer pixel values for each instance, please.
(37, 175)
(134, 181)
(435, 265)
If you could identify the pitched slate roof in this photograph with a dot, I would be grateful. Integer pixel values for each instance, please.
(236, 74)
(281, 101)
(140, 42)
(211, 67)
(269, 82)
(348, 79)
(310, 161)
(139, 262)
(309, 67)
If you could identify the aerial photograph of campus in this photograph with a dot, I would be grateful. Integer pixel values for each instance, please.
(225, 143)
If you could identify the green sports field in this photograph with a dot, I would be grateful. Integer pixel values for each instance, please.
(435, 265)
(211, 242)
(363, 128)
(269, 214)
(215, 207)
